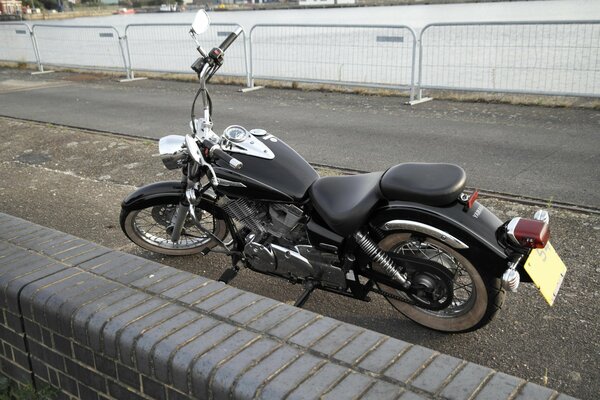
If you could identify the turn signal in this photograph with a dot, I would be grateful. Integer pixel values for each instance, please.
(529, 233)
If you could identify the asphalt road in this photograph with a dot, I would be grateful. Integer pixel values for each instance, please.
(547, 153)
(73, 181)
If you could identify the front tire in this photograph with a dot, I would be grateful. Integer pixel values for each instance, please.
(478, 295)
(149, 228)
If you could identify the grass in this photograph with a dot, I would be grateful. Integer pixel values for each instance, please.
(10, 391)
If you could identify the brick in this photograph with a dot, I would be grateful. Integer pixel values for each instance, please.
(43, 236)
(382, 391)
(87, 376)
(294, 324)
(62, 344)
(272, 317)
(96, 323)
(353, 383)
(498, 387)
(248, 384)
(383, 355)
(128, 336)
(201, 290)
(165, 351)
(135, 274)
(67, 243)
(410, 362)
(105, 365)
(290, 377)
(466, 382)
(83, 354)
(15, 372)
(359, 347)
(314, 332)
(96, 252)
(177, 278)
(112, 326)
(49, 297)
(21, 358)
(336, 339)
(12, 321)
(20, 231)
(224, 374)
(217, 299)
(154, 389)
(173, 394)
(87, 393)
(68, 384)
(16, 288)
(82, 315)
(153, 278)
(216, 346)
(432, 377)
(235, 305)
(318, 383)
(532, 391)
(412, 396)
(13, 338)
(105, 263)
(129, 377)
(118, 391)
(40, 369)
(122, 267)
(30, 291)
(141, 352)
(254, 311)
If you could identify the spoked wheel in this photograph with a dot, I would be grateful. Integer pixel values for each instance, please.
(476, 296)
(150, 228)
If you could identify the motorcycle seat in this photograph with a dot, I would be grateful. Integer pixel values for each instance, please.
(345, 202)
(431, 184)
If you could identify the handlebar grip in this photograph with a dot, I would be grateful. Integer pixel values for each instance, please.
(233, 162)
(230, 39)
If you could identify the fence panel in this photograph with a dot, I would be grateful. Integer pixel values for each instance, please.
(94, 47)
(555, 58)
(16, 43)
(379, 56)
(169, 48)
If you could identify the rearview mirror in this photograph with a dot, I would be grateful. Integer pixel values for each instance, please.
(201, 23)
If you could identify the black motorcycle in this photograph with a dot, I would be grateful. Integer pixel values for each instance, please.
(411, 233)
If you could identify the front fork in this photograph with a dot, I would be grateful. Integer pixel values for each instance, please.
(177, 221)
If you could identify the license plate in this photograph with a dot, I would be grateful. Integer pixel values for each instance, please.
(547, 271)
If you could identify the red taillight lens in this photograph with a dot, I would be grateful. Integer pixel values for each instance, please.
(528, 232)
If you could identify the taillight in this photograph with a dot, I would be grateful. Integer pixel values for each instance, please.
(529, 233)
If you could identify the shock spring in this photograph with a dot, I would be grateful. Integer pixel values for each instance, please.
(379, 256)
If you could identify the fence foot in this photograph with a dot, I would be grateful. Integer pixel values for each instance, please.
(131, 79)
(419, 101)
(251, 89)
(41, 72)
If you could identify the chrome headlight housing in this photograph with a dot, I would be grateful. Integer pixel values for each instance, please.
(173, 152)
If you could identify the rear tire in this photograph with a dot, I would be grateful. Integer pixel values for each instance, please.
(148, 228)
(478, 295)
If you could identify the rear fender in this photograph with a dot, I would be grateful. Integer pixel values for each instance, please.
(470, 231)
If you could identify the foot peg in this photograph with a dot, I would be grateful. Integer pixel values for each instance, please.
(228, 275)
(308, 289)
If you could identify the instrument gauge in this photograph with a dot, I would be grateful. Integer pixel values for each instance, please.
(236, 134)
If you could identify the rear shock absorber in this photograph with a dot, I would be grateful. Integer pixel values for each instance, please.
(379, 256)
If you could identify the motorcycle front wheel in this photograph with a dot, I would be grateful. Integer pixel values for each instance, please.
(150, 228)
(477, 295)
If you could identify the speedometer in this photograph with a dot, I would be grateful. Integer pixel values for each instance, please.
(235, 134)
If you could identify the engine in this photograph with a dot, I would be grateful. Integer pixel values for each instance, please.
(276, 242)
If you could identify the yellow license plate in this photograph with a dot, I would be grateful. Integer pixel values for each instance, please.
(547, 271)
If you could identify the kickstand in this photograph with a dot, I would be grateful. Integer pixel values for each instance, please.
(308, 289)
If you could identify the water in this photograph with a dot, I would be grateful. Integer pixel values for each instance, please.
(416, 16)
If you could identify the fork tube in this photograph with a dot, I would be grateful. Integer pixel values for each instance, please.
(177, 222)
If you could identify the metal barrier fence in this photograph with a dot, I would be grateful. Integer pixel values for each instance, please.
(17, 43)
(547, 57)
(93, 47)
(169, 48)
(367, 55)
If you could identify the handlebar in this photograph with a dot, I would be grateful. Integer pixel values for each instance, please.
(216, 152)
(230, 39)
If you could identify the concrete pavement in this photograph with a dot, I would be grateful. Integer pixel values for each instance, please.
(547, 153)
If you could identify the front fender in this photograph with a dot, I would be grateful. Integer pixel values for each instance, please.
(474, 227)
(154, 194)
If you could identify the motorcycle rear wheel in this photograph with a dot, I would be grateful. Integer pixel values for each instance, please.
(477, 295)
(149, 228)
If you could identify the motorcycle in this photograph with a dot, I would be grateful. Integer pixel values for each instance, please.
(411, 234)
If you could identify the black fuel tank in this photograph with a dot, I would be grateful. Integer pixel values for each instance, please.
(286, 178)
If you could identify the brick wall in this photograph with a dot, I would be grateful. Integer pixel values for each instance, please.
(98, 324)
